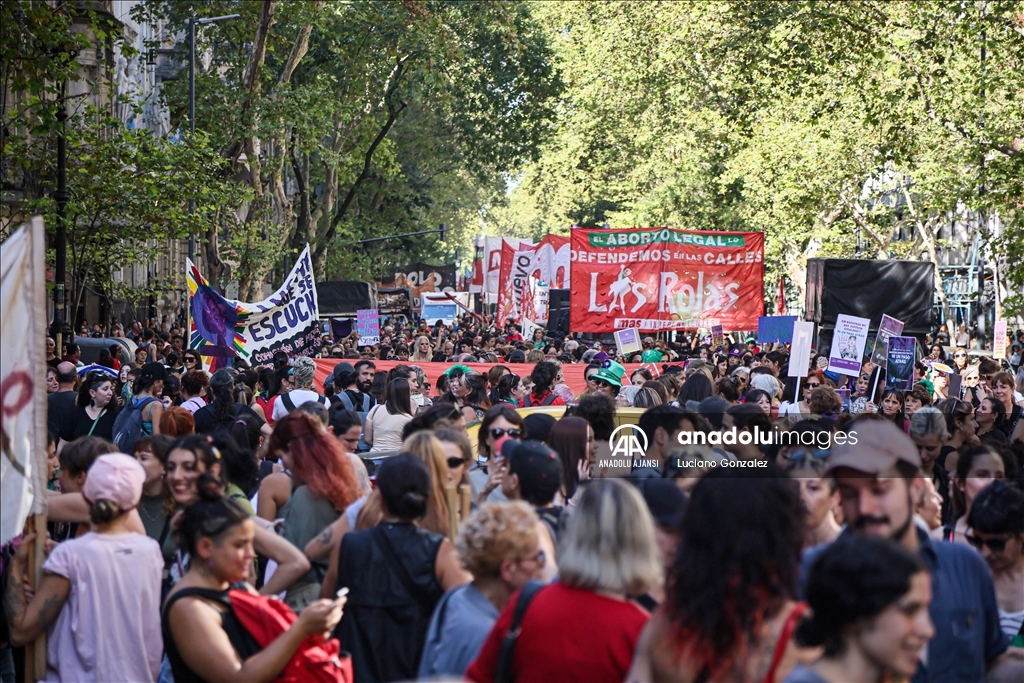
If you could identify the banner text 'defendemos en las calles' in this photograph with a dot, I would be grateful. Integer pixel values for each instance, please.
(661, 279)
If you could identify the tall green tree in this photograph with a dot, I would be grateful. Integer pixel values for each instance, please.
(129, 190)
(838, 129)
(363, 119)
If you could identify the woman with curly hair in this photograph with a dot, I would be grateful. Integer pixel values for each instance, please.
(323, 485)
(499, 546)
(195, 462)
(731, 594)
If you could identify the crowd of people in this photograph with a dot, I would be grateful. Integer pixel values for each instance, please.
(251, 524)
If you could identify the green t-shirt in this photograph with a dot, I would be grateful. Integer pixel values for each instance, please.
(238, 495)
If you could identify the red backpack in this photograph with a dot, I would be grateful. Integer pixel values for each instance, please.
(266, 618)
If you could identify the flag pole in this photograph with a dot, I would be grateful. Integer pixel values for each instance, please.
(35, 654)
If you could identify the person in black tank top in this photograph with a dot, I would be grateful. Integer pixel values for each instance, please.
(396, 573)
(217, 534)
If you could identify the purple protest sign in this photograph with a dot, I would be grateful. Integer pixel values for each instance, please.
(899, 363)
(888, 327)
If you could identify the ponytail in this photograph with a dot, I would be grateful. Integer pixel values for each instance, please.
(212, 516)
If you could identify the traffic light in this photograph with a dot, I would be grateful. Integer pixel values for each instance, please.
(444, 230)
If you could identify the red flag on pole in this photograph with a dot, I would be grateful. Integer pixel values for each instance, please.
(780, 301)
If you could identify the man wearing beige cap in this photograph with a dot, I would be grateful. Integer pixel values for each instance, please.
(878, 475)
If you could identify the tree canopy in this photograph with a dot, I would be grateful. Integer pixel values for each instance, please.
(852, 129)
(814, 122)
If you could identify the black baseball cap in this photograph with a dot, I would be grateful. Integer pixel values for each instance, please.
(537, 466)
(154, 370)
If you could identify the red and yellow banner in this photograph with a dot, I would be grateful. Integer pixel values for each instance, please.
(666, 279)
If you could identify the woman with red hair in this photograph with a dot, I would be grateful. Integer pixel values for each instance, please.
(323, 484)
(731, 607)
(177, 422)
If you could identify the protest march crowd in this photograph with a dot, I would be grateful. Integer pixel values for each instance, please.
(256, 524)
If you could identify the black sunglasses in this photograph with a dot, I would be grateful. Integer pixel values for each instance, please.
(498, 433)
(959, 355)
(190, 359)
(809, 385)
(455, 462)
(996, 545)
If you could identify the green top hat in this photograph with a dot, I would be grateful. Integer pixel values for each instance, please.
(610, 372)
(651, 356)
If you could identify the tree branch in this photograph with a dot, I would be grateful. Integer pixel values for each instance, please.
(394, 110)
(299, 49)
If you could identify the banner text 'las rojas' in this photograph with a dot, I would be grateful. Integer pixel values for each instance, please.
(222, 329)
(661, 279)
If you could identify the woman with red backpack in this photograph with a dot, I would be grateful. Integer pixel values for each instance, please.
(217, 628)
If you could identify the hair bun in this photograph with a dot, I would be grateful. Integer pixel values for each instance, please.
(414, 498)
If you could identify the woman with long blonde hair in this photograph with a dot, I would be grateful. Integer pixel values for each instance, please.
(425, 446)
(424, 350)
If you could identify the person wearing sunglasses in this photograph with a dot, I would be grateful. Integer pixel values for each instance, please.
(459, 456)
(960, 360)
(501, 422)
(995, 527)
(499, 545)
(813, 380)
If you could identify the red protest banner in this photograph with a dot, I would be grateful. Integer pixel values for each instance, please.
(548, 261)
(573, 373)
(666, 279)
(507, 301)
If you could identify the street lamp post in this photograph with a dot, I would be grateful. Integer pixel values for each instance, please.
(61, 331)
(192, 22)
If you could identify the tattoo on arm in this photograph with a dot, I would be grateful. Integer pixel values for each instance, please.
(325, 537)
(364, 480)
(49, 610)
(14, 605)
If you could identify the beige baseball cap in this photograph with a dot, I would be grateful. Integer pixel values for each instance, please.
(873, 447)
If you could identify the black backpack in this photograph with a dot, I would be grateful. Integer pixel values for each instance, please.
(128, 425)
(548, 400)
(290, 405)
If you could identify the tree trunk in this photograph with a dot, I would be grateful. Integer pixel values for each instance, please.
(926, 229)
(280, 231)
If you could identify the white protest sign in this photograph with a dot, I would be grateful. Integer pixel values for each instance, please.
(223, 329)
(627, 341)
(800, 352)
(999, 340)
(848, 341)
